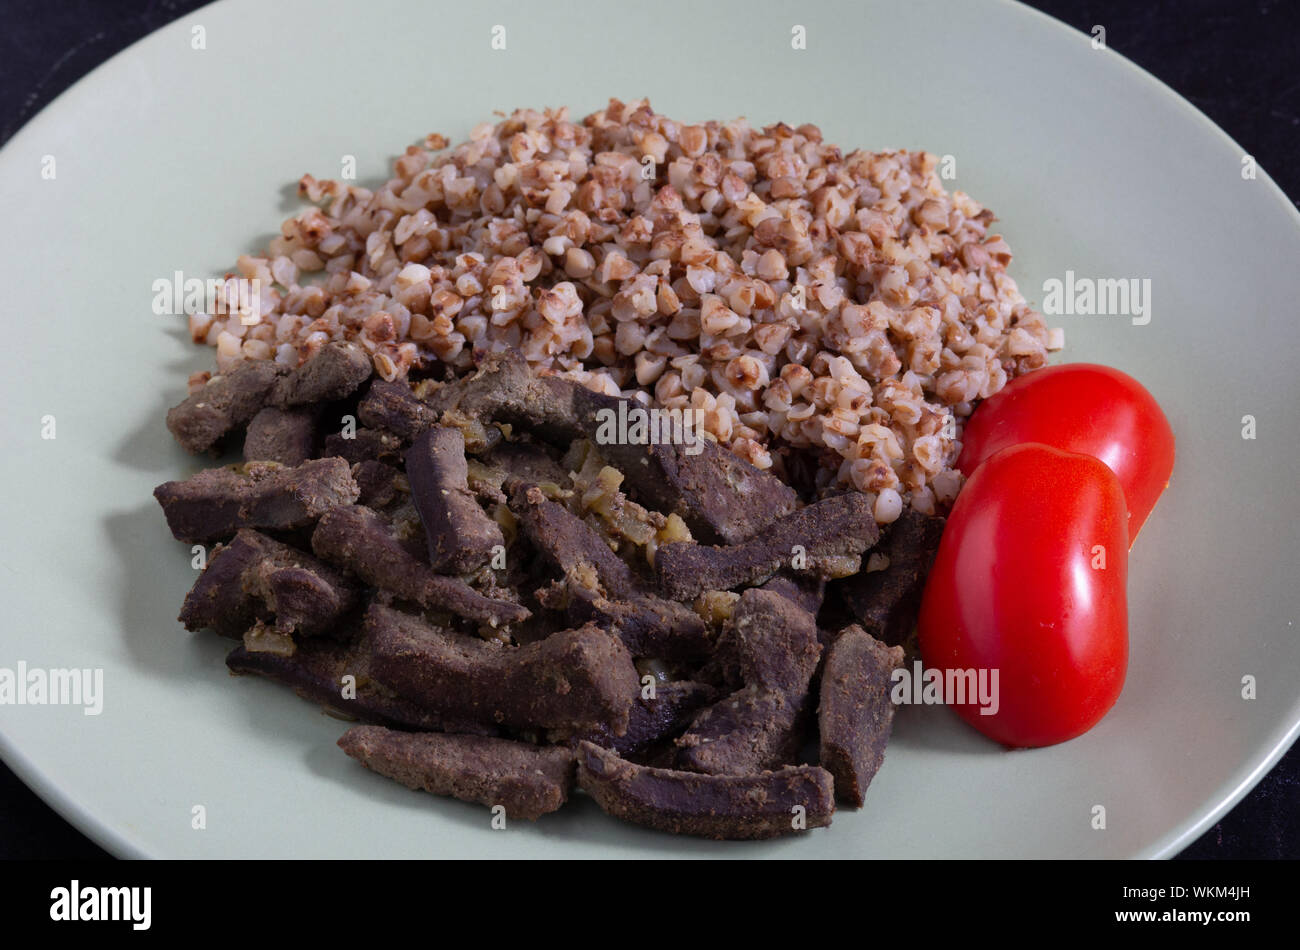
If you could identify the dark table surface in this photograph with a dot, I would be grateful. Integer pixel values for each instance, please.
(1236, 61)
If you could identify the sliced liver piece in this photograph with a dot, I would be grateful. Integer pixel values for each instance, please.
(770, 645)
(214, 504)
(841, 525)
(379, 483)
(718, 494)
(856, 712)
(650, 626)
(359, 540)
(752, 730)
(527, 780)
(764, 805)
(392, 406)
(651, 720)
(224, 404)
(886, 602)
(287, 436)
(365, 445)
(315, 672)
(336, 371)
(256, 577)
(574, 679)
(568, 543)
(461, 536)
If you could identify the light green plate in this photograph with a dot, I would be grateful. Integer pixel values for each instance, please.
(170, 157)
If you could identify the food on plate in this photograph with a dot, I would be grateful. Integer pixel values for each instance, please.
(445, 527)
(833, 315)
(1081, 407)
(1030, 580)
(482, 589)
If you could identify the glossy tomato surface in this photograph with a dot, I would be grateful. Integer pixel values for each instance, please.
(1086, 408)
(1030, 580)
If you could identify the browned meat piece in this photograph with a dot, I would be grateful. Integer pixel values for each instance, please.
(839, 526)
(527, 780)
(721, 496)
(223, 405)
(315, 672)
(216, 503)
(886, 601)
(856, 712)
(504, 390)
(365, 445)
(379, 484)
(807, 592)
(718, 494)
(255, 578)
(769, 641)
(563, 539)
(358, 540)
(287, 436)
(335, 372)
(649, 626)
(651, 720)
(461, 535)
(394, 408)
(527, 462)
(752, 730)
(770, 645)
(575, 679)
(765, 805)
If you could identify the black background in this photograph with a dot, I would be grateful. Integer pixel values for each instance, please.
(1236, 61)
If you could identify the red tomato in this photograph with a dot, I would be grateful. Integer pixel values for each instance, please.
(1081, 407)
(1030, 581)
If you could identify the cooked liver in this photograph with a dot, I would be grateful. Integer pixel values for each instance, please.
(365, 445)
(650, 721)
(568, 543)
(287, 436)
(255, 577)
(461, 536)
(359, 540)
(575, 679)
(886, 602)
(315, 672)
(336, 371)
(527, 780)
(215, 503)
(769, 646)
(836, 526)
(708, 806)
(224, 404)
(856, 712)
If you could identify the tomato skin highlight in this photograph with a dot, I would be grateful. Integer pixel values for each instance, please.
(1085, 408)
(1014, 589)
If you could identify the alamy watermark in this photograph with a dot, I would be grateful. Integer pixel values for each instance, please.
(1103, 297)
(24, 686)
(179, 294)
(955, 687)
(636, 425)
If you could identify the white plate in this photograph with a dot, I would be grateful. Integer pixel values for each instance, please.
(169, 157)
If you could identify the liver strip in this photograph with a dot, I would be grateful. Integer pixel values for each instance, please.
(224, 404)
(856, 713)
(216, 503)
(735, 807)
(575, 679)
(359, 540)
(886, 602)
(834, 527)
(528, 780)
(461, 536)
